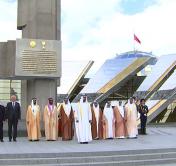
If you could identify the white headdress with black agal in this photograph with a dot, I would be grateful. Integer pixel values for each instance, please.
(34, 107)
(82, 96)
(131, 105)
(67, 107)
(121, 109)
(96, 112)
(107, 110)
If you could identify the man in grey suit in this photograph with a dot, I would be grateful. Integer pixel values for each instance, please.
(13, 114)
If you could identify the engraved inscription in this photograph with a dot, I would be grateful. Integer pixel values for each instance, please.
(38, 58)
(39, 61)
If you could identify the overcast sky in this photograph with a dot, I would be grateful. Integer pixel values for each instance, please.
(98, 29)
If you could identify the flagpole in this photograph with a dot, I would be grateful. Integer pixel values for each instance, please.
(134, 43)
(134, 46)
(136, 39)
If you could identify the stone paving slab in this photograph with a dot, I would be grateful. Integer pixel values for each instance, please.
(157, 138)
(164, 165)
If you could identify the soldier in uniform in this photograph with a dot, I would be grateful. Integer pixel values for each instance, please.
(143, 110)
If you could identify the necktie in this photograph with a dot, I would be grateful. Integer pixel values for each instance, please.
(13, 104)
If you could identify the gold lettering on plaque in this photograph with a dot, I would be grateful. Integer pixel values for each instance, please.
(39, 61)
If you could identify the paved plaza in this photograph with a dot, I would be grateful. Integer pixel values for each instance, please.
(157, 138)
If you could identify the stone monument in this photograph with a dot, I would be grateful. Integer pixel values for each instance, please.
(36, 58)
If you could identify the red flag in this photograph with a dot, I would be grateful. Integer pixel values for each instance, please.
(137, 39)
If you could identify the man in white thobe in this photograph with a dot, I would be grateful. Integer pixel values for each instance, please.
(108, 122)
(83, 118)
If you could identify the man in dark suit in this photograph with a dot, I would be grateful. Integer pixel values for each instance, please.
(13, 114)
(2, 118)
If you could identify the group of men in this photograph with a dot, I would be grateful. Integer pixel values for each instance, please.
(113, 121)
(87, 120)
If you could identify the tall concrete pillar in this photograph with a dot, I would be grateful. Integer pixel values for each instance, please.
(39, 19)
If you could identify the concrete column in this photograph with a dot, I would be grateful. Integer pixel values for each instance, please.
(42, 89)
(39, 19)
(23, 99)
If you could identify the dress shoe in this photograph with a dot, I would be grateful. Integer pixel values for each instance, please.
(10, 140)
(85, 142)
(14, 140)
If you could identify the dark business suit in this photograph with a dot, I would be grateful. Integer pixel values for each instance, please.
(13, 114)
(2, 118)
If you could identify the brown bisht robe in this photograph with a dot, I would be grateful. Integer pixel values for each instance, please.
(97, 127)
(33, 123)
(120, 129)
(59, 122)
(67, 131)
(50, 118)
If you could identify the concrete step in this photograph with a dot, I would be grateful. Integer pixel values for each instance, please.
(83, 154)
(124, 158)
(110, 163)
